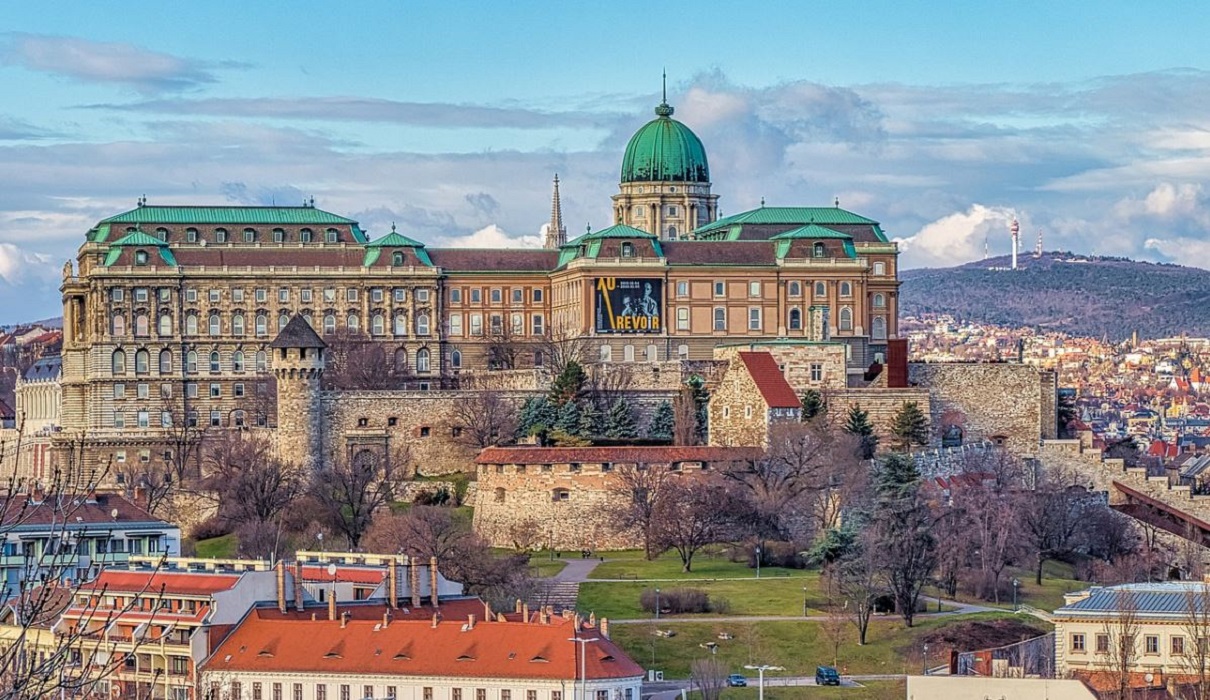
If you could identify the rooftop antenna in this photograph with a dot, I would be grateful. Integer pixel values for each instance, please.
(1038, 248)
(665, 91)
(985, 245)
(762, 202)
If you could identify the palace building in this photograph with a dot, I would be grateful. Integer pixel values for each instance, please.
(169, 311)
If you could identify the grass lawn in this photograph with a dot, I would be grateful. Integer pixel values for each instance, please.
(708, 563)
(798, 646)
(542, 566)
(223, 547)
(1056, 580)
(871, 690)
(764, 596)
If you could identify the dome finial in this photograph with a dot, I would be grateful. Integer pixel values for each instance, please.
(392, 227)
(664, 109)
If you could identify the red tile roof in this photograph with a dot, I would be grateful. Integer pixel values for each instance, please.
(76, 510)
(481, 260)
(171, 582)
(598, 455)
(720, 252)
(345, 574)
(772, 384)
(511, 649)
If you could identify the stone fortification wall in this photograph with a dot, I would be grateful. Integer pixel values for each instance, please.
(520, 508)
(798, 361)
(881, 404)
(1009, 403)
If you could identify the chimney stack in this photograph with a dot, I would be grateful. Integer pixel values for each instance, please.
(393, 583)
(524, 612)
(487, 611)
(344, 619)
(386, 619)
(414, 576)
(433, 580)
(281, 587)
(605, 627)
(435, 620)
(298, 589)
(517, 606)
(470, 621)
(332, 605)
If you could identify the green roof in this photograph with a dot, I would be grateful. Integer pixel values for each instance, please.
(139, 238)
(591, 241)
(729, 227)
(394, 239)
(811, 231)
(148, 214)
(665, 150)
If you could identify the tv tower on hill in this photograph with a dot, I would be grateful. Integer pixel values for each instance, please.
(1038, 247)
(1015, 230)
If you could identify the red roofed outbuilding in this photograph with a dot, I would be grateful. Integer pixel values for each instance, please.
(752, 395)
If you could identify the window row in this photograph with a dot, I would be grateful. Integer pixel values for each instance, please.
(142, 362)
(215, 391)
(516, 325)
(249, 235)
(238, 418)
(274, 690)
(1151, 644)
(307, 295)
(495, 295)
(794, 288)
(239, 324)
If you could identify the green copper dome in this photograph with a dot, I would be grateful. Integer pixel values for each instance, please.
(665, 150)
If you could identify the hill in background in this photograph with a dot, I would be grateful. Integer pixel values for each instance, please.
(1077, 294)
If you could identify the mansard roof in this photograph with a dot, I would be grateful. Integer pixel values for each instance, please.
(765, 222)
(495, 259)
(232, 215)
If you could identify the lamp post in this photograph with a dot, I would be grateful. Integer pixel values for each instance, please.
(804, 601)
(1016, 585)
(583, 656)
(926, 658)
(657, 603)
(760, 684)
(758, 561)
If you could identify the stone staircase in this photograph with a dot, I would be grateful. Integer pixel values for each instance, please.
(561, 595)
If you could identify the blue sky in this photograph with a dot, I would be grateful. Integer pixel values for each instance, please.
(942, 120)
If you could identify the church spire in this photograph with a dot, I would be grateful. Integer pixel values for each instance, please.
(556, 235)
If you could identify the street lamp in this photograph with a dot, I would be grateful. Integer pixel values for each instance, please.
(804, 601)
(657, 603)
(761, 681)
(926, 658)
(758, 561)
(583, 657)
(1016, 585)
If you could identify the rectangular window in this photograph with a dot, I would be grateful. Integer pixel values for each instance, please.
(351, 294)
(422, 295)
(682, 288)
(119, 391)
(190, 295)
(539, 324)
(518, 295)
(476, 296)
(216, 391)
(1151, 644)
(262, 295)
(298, 691)
(720, 319)
(816, 372)
(531, 695)
(256, 691)
(237, 295)
(1077, 642)
(216, 419)
(754, 289)
(140, 295)
(455, 324)
(720, 289)
(602, 695)
(506, 694)
(191, 390)
(277, 691)
(165, 294)
(754, 319)
(497, 296)
(455, 693)
(119, 294)
(321, 691)
(143, 419)
(376, 295)
(1178, 645)
(142, 391)
(283, 295)
(427, 693)
(556, 695)
(392, 692)
(305, 295)
(480, 693)
(330, 295)
(119, 419)
(476, 324)
(238, 390)
(214, 296)
(682, 319)
(455, 296)
(401, 295)
(344, 691)
(538, 295)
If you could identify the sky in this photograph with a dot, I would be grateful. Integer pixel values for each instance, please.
(1087, 121)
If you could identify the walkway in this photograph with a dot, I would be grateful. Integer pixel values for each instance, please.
(563, 589)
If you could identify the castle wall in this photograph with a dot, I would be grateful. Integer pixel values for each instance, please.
(882, 405)
(1006, 401)
(800, 361)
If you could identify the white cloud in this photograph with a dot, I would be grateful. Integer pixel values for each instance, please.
(18, 265)
(492, 236)
(959, 237)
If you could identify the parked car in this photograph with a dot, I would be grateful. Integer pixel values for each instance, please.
(826, 675)
(737, 680)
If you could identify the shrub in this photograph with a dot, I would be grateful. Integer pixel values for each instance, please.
(211, 527)
(676, 600)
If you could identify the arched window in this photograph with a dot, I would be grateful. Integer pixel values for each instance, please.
(279, 236)
(141, 326)
(237, 324)
(795, 319)
(672, 233)
(795, 289)
(353, 322)
(165, 362)
(628, 353)
(191, 324)
(653, 353)
(606, 352)
(305, 235)
(191, 362)
(456, 359)
(262, 361)
(331, 235)
(879, 301)
(117, 363)
(282, 319)
(237, 361)
(142, 362)
(846, 319)
(397, 259)
(878, 328)
(262, 325)
(165, 324)
(821, 290)
(846, 289)
(422, 360)
(818, 250)
(539, 358)
(329, 323)
(401, 324)
(422, 324)
(118, 325)
(237, 418)
(378, 324)
(191, 235)
(220, 235)
(401, 361)
(214, 362)
(249, 235)
(720, 319)
(216, 325)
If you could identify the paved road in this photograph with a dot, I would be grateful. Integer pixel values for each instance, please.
(577, 570)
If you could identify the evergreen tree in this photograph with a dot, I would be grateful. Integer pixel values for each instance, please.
(590, 420)
(701, 407)
(569, 419)
(663, 423)
(812, 405)
(910, 427)
(537, 417)
(896, 478)
(567, 386)
(620, 424)
(858, 424)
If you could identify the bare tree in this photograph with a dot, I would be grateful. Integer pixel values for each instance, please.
(247, 482)
(561, 345)
(991, 518)
(709, 676)
(355, 361)
(1195, 654)
(483, 416)
(638, 489)
(858, 582)
(1050, 518)
(606, 384)
(507, 344)
(1118, 647)
(907, 551)
(693, 513)
(352, 489)
(836, 619)
(684, 412)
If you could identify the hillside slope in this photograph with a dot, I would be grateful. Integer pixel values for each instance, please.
(1081, 295)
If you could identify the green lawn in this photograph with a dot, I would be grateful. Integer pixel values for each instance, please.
(798, 646)
(870, 690)
(1056, 580)
(709, 563)
(224, 547)
(542, 566)
(764, 596)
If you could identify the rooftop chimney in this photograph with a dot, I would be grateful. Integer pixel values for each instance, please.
(281, 587)
(332, 605)
(524, 612)
(605, 627)
(517, 606)
(487, 611)
(386, 619)
(392, 583)
(433, 580)
(470, 621)
(414, 576)
(344, 619)
(435, 619)
(298, 589)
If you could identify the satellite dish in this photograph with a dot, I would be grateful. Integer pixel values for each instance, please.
(114, 513)
(331, 569)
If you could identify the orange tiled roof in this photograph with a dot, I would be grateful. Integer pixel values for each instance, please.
(171, 582)
(772, 384)
(345, 574)
(510, 649)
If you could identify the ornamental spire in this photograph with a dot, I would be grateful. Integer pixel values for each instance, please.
(664, 109)
(556, 234)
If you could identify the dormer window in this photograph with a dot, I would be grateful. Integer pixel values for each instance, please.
(191, 235)
(818, 250)
(627, 249)
(161, 233)
(305, 235)
(249, 235)
(140, 257)
(220, 235)
(279, 236)
(331, 235)
(397, 259)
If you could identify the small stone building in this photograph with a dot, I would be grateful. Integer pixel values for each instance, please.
(752, 395)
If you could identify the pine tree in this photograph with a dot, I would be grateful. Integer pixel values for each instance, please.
(812, 405)
(567, 386)
(663, 423)
(858, 424)
(910, 427)
(896, 477)
(537, 417)
(620, 425)
(590, 420)
(569, 418)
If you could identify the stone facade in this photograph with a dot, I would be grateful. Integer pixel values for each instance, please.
(805, 364)
(880, 404)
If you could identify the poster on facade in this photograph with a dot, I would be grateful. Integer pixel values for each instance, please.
(629, 305)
